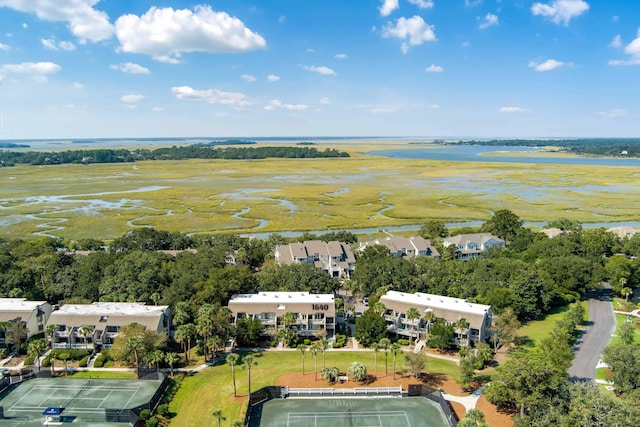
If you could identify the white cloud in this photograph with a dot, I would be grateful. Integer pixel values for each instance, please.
(37, 68)
(212, 96)
(560, 11)
(320, 70)
(433, 107)
(512, 110)
(616, 42)
(276, 104)
(414, 29)
(130, 68)
(422, 4)
(157, 109)
(488, 21)
(168, 59)
(382, 110)
(388, 6)
(341, 56)
(165, 33)
(51, 44)
(325, 100)
(248, 78)
(77, 86)
(433, 68)
(4, 46)
(548, 65)
(632, 49)
(472, 3)
(131, 98)
(273, 78)
(612, 114)
(84, 21)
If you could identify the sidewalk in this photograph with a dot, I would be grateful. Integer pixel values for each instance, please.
(469, 402)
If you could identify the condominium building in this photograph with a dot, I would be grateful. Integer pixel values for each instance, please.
(34, 314)
(336, 258)
(312, 312)
(397, 305)
(95, 326)
(401, 246)
(469, 246)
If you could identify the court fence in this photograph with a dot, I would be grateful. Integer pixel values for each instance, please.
(259, 397)
(357, 391)
(436, 396)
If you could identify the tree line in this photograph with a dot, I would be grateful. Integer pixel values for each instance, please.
(195, 151)
(591, 146)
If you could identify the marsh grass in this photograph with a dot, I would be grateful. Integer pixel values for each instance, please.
(208, 196)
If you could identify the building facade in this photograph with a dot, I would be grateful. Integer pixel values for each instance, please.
(478, 316)
(336, 258)
(312, 312)
(469, 246)
(401, 246)
(95, 326)
(34, 314)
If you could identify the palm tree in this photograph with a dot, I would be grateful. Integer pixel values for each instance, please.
(375, 347)
(36, 348)
(171, 359)
(385, 343)
(302, 349)
(358, 371)
(135, 344)
(237, 423)
(86, 330)
(330, 374)
(395, 350)
(232, 360)
(184, 334)
(379, 308)
(412, 315)
(64, 356)
(248, 363)
(218, 414)
(214, 343)
(155, 358)
(461, 327)
(49, 330)
(626, 292)
(323, 348)
(288, 320)
(314, 349)
(429, 317)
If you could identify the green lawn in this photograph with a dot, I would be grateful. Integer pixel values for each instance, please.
(623, 318)
(104, 375)
(535, 330)
(600, 374)
(212, 388)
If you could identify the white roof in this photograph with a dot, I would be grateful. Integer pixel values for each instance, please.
(112, 308)
(282, 297)
(436, 301)
(19, 304)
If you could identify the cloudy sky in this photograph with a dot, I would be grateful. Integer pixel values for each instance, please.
(163, 68)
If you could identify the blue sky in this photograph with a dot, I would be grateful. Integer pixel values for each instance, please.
(431, 68)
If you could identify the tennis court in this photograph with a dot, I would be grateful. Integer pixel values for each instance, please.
(85, 399)
(351, 412)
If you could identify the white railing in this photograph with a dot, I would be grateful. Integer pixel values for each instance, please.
(81, 346)
(357, 391)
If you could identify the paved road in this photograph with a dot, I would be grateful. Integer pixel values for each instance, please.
(601, 326)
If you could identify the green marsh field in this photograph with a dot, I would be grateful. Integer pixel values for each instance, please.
(278, 195)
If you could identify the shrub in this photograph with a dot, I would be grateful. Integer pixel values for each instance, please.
(402, 341)
(153, 422)
(84, 361)
(74, 354)
(100, 361)
(307, 341)
(28, 361)
(46, 362)
(163, 409)
(145, 414)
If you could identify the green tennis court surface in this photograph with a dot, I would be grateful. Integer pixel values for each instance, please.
(359, 412)
(85, 399)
